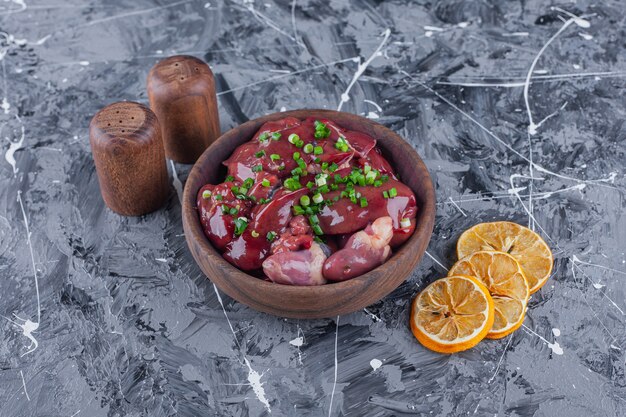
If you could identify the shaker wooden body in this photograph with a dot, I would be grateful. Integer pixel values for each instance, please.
(128, 153)
(181, 90)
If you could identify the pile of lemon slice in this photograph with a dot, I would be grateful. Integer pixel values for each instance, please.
(486, 291)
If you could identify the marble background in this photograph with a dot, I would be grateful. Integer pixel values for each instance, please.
(109, 316)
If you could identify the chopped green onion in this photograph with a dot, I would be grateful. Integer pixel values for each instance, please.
(233, 211)
(313, 219)
(206, 194)
(297, 210)
(299, 143)
(276, 135)
(323, 189)
(321, 180)
(385, 194)
(363, 202)
(310, 184)
(260, 153)
(305, 200)
(370, 177)
(301, 164)
(317, 198)
(367, 169)
(254, 233)
(384, 178)
(270, 236)
(264, 201)
(292, 184)
(282, 167)
(296, 156)
(219, 197)
(342, 144)
(405, 223)
(321, 131)
(234, 189)
(378, 183)
(265, 182)
(242, 190)
(263, 136)
(274, 157)
(334, 187)
(318, 150)
(393, 192)
(229, 178)
(293, 138)
(317, 229)
(257, 168)
(333, 167)
(240, 225)
(308, 148)
(296, 171)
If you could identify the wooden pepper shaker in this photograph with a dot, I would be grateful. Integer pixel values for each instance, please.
(128, 152)
(181, 90)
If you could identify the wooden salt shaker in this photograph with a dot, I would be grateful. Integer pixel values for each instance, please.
(181, 90)
(128, 152)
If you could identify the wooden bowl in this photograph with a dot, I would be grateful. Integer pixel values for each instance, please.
(325, 300)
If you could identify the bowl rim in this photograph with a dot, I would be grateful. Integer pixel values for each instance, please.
(194, 233)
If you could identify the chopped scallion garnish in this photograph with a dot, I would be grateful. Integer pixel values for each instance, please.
(293, 138)
(240, 225)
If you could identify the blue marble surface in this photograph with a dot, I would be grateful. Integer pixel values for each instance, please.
(516, 107)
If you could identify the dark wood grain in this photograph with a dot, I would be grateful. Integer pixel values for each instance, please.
(128, 153)
(325, 300)
(181, 90)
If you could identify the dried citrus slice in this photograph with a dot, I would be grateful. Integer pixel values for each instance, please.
(530, 250)
(505, 280)
(452, 314)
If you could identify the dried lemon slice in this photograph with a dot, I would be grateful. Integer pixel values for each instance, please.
(452, 314)
(505, 280)
(530, 250)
